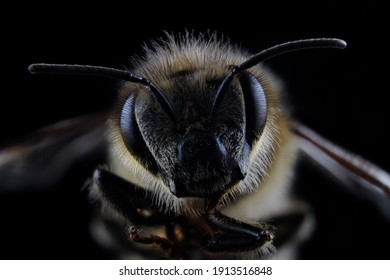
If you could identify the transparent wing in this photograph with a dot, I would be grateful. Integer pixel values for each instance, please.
(44, 157)
(359, 175)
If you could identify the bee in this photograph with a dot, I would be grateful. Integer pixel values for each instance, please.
(202, 152)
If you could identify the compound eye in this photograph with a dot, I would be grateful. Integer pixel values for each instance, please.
(255, 106)
(132, 136)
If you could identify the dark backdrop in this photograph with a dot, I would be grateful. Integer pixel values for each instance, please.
(341, 94)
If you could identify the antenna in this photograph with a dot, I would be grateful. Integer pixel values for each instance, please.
(270, 53)
(100, 71)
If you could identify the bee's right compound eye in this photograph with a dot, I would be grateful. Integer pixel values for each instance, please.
(132, 136)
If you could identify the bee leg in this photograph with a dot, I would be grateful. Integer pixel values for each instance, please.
(130, 200)
(233, 235)
(135, 235)
(169, 247)
(127, 198)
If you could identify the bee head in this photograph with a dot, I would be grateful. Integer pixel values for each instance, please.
(198, 138)
(199, 147)
(192, 124)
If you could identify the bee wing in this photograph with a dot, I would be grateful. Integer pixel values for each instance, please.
(44, 157)
(356, 173)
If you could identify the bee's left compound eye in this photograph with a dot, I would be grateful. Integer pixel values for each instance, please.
(255, 106)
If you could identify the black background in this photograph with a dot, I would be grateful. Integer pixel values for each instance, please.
(342, 94)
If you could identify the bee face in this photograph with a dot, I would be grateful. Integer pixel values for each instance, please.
(204, 151)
